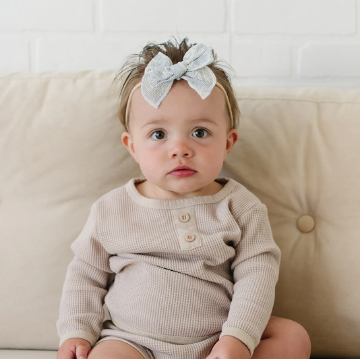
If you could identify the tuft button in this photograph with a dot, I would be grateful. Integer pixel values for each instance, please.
(190, 237)
(184, 217)
(306, 224)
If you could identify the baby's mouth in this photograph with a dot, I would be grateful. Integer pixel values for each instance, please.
(182, 173)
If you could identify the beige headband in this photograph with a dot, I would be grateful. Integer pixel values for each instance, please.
(139, 84)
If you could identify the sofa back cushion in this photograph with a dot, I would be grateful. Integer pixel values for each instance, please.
(61, 149)
(299, 152)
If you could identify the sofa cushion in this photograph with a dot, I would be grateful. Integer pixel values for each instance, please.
(299, 152)
(60, 150)
(27, 354)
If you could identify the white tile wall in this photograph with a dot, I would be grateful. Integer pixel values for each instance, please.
(46, 15)
(264, 43)
(162, 15)
(291, 17)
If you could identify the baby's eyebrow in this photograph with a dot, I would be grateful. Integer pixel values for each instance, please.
(153, 122)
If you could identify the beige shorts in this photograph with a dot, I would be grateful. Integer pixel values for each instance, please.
(153, 348)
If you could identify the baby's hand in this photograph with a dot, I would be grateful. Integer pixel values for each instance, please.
(74, 348)
(229, 347)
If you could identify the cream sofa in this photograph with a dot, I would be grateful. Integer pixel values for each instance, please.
(60, 150)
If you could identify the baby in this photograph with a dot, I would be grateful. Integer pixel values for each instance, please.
(185, 261)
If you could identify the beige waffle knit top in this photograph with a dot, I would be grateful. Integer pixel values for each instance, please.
(176, 270)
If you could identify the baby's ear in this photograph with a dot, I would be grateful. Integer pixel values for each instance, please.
(232, 138)
(126, 139)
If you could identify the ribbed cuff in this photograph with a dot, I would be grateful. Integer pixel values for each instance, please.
(241, 335)
(79, 334)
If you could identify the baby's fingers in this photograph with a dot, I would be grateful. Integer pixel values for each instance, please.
(65, 353)
(82, 351)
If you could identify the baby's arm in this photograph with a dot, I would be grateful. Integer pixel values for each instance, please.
(87, 279)
(255, 273)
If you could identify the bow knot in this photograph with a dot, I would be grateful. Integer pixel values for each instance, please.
(178, 69)
(160, 74)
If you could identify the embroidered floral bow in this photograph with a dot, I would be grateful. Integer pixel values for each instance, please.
(160, 74)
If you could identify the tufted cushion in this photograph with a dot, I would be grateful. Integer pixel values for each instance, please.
(60, 150)
(299, 152)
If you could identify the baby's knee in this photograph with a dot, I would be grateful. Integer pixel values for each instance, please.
(297, 339)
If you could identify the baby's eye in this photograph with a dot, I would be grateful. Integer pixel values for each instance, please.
(200, 131)
(157, 137)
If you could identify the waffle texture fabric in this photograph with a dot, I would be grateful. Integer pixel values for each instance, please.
(178, 271)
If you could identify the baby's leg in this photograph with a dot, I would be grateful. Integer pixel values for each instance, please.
(283, 339)
(114, 349)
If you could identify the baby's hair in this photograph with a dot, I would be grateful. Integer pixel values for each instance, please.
(135, 67)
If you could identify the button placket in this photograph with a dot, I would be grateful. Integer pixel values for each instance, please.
(184, 220)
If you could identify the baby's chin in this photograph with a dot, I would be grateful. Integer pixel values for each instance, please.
(178, 188)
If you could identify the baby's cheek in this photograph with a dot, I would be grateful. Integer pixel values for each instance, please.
(214, 161)
(216, 153)
(149, 160)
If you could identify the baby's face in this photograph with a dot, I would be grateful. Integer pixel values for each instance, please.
(188, 131)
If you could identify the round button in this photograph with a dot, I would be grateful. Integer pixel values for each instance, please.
(306, 223)
(190, 237)
(184, 217)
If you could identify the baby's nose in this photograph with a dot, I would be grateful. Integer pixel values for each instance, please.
(181, 149)
(180, 153)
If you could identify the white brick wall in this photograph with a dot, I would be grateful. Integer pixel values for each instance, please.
(267, 43)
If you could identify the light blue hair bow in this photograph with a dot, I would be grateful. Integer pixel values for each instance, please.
(160, 74)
